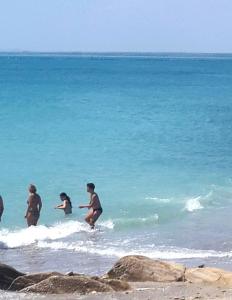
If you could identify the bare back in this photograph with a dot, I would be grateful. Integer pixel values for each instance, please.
(34, 202)
(68, 207)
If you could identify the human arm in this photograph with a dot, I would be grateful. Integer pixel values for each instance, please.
(28, 205)
(91, 204)
(62, 206)
(85, 206)
(58, 206)
(40, 204)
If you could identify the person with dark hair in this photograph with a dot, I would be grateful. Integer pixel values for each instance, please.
(66, 205)
(34, 206)
(1, 207)
(94, 206)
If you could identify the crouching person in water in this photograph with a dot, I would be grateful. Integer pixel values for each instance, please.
(1, 208)
(34, 206)
(67, 204)
(94, 206)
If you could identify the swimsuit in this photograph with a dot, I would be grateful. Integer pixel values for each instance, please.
(98, 209)
(34, 212)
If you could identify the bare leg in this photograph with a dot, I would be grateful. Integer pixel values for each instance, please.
(35, 221)
(31, 219)
(88, 218)
(96, 215)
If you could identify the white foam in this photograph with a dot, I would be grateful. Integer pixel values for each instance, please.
(156, 199)
(153, 219)
(168, 253)
(31, 235)
(108, 224)
(193, 204)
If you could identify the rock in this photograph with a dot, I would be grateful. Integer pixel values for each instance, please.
(201, 266)
(7, 276)
(117, 285)
(74, 274)
(141, 268)
(22, 282)
(69, 273)
(68, 284)
(209, 275)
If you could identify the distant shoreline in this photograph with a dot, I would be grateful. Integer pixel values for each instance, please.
(118, 54)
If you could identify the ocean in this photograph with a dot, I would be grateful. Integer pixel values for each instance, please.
(153, 132)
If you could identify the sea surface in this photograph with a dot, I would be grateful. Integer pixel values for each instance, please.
(153, 132)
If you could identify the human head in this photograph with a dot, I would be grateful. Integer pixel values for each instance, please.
(63, 196)
(90, 187)
(32, 188)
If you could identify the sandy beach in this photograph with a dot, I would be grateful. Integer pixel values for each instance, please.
(132, 277)
(167, 291)
(145, 291)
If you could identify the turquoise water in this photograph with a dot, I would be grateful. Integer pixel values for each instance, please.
(152, 132)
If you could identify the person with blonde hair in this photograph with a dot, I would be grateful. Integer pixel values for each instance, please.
(34, 206)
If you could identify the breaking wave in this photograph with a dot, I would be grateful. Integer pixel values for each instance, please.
(159, 253)
(193, 204)
(32, 235)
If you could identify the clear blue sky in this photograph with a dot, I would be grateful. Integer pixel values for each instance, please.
(116, 25)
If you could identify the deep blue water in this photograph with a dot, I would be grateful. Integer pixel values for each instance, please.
(153, 134)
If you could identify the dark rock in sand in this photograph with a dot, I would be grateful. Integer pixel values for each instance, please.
(22, 282)
(141, 268)
(201, 266)
(74, 274)
(7, 276)
(68, 284)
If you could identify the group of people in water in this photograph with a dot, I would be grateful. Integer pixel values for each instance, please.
(34, 206)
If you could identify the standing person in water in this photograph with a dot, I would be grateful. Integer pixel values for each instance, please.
(34, 206)
(66, 205)
(94, 206)
(1, 208)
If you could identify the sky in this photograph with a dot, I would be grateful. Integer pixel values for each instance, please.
(116, 25)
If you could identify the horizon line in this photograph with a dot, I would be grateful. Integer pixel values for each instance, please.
(113, 52)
